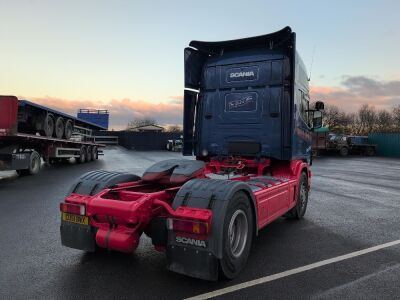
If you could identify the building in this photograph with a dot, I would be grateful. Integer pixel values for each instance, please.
(146, 128)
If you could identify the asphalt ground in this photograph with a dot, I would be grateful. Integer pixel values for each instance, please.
(354, 205)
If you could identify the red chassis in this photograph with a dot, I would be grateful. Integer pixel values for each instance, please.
(120, 214)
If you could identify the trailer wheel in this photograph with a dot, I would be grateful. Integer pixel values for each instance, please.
(59, 129)
(237, 236)
(344, 151)
(370, 151)
(95, 154)
(48, 126)
(89, 154)
(34, 165)
(82, 155)
(68, 129)
(299, 210)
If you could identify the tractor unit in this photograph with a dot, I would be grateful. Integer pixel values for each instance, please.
(248, 124)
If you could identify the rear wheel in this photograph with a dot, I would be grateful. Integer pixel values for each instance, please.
(82, 155)
(68, 129)
(48, 126)
(237, 236)
(299, 210)
(59, 130)
(34, 165)
(89, 154)
(344, 151)
(95, 155)
(370, 151)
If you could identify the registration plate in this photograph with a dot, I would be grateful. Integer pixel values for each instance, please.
(83, 220)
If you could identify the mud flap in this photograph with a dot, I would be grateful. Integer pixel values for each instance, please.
(192, 262)
(79, 237)
(199, 258)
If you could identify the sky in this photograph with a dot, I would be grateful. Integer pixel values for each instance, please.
(127, 56)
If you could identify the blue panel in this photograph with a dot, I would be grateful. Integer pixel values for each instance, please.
(101, 119)
(240, 105)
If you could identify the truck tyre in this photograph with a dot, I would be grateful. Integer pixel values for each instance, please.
(93, 182)
(34, 165)
(299, 210)
(89, 154)
(68, 129)
(48, 125)
(59, 129)
(344, 151)
(370, 151)
(95, 154)
(237, 235)
(82, 155)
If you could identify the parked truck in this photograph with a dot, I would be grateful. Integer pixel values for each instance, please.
(175, 145)
(30, 132)
(248, 123)
(326, 142)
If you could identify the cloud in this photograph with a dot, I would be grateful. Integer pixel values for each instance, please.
(355, 91)
(121, 111)
(176, 99)
(349, 95)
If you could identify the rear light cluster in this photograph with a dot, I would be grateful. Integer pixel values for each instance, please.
(76, 209)
(190, 220)
(188, 226)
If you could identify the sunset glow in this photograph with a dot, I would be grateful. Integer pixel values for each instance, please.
(127, 57)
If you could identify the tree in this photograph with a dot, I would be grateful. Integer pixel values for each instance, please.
(334, 118)
(367, 118)
(396, 116)
(141, 122)
(384, 121)
(174, 128)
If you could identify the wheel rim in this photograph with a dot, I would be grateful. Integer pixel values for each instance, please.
(237, 232)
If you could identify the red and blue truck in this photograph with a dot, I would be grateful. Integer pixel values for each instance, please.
(248, 123)
(30, 133)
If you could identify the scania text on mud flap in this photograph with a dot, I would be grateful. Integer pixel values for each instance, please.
(246, 120)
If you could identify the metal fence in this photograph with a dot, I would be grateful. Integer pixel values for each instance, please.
(388, 143)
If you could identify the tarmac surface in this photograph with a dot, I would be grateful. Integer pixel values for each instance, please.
(354, 204)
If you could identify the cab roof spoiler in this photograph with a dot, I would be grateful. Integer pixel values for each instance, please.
(276, 39)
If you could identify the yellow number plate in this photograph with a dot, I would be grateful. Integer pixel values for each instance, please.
(83, 220)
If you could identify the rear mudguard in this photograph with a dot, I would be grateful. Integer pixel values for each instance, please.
(201, 260)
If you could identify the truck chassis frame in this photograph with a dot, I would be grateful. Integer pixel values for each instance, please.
(186, 217)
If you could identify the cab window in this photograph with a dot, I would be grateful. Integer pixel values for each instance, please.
(304, 107)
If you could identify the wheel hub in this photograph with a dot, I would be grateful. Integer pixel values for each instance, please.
(237, 232)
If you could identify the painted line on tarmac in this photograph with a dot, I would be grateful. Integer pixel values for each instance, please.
(273, 277)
